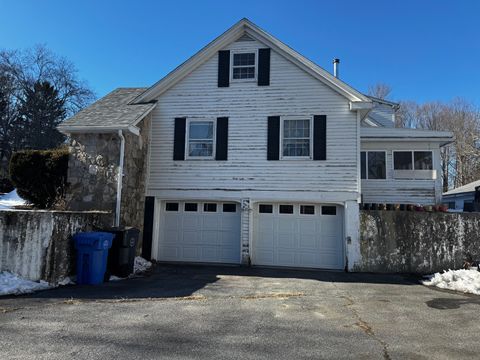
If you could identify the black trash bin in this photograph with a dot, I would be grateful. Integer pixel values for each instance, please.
(121, 257)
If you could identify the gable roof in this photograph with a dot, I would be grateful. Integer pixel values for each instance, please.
(246, 27)
(463, 189)
(112, 112)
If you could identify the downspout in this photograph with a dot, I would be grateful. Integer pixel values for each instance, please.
(120, 178)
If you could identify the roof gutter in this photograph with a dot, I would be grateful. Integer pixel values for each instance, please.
(97, 129)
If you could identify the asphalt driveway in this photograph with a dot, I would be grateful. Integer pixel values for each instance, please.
(181, 312)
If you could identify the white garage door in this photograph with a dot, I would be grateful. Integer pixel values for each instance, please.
(192, 231)
(298, 235)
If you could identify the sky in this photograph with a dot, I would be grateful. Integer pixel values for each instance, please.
(426, 50)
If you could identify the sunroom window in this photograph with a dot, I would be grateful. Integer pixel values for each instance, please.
(243, 65)
(373, 165)
(200, 139)
(412, 160)
(296, 139)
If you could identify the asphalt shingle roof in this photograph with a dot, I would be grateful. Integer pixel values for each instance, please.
(113, 110)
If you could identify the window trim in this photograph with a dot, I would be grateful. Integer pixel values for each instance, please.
(244, 51)
(187, 139)
(296, 117)
(366, 164)
(413, 160)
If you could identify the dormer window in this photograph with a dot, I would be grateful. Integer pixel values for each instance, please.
(244, 65)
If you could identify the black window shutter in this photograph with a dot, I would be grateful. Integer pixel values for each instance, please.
(223, 68)
(148, 227)
(263, 67)
(179, 139)
(320, 137)
(273, 142)
(221, 152)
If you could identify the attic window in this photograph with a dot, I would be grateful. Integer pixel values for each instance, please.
(244, 65)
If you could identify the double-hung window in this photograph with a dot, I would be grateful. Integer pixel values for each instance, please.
(201, 136)
(244, 65)
(296, 138)
(412, 160)
(373, 165)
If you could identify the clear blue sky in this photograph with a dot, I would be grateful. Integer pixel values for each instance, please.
(426, 50)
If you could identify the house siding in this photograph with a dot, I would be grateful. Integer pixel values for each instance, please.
(291, 92)
(402, 191)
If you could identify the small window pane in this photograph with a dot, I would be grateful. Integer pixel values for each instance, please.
(423, 160)
(286, 209)
(296, 129)
(244, 59)
(200, 148)
(229, 207)
(296, 147)
(171, 207)
(265, 209)
(402, 160)
(244, 73)
(201, 130)
(307, 209)
(329, 210)
(208, 207)
(376, 165)
(363, 165)
(191, 207)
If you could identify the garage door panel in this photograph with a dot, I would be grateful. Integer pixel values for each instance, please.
(286, 240)
(308, 237)
(190, 221)
(199, 236)
(308, 241)
(264, 257)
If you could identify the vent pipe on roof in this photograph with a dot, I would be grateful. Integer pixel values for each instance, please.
(336, 64)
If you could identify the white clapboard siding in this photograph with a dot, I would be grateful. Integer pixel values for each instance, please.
(402, 191)
(291, 92)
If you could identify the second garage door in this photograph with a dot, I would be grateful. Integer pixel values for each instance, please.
(298, 235)
(192, 231)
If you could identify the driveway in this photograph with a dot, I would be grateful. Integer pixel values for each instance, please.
(195, 312)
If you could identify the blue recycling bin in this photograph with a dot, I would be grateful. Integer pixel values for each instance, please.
(92, 254)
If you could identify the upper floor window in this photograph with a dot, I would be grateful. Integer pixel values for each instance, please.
(412, 160)
(200, 135)
(373, 165)
(244, 65)
(296, 137)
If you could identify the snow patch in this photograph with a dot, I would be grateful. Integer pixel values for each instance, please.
(141, 265)
(115, 278)
(467, 281)
(11, 284)
(10, 200)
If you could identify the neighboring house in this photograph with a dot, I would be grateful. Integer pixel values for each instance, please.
(462, 198)
(248, 153)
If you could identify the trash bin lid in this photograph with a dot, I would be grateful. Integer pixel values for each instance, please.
(94, 238)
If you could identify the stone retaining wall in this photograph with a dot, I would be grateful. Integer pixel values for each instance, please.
(417, 242)
(37, 245)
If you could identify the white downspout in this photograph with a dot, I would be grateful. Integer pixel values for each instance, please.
(120, 178)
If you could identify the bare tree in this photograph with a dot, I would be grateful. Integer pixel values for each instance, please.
(38, 65)
(380, 90)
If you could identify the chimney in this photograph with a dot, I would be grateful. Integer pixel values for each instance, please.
(336, 63)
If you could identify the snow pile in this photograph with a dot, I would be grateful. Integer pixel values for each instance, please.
(467, 281)
(115, 278)
(141, 265)
(13, 284)
(10, 200)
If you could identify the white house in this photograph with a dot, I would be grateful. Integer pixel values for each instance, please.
(256, 155)
(463, 197)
